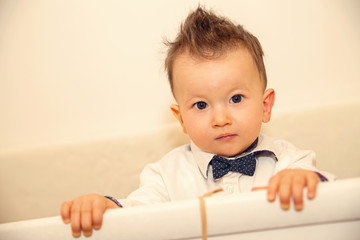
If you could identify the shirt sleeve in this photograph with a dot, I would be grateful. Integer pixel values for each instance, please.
(152, 188)
(290, 157)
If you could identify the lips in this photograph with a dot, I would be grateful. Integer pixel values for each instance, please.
(226, 137)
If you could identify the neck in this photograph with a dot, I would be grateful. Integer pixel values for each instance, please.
(250, 148)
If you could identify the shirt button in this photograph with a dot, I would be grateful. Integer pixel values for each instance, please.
(230, 189)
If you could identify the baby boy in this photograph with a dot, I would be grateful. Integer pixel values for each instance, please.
(218, 78)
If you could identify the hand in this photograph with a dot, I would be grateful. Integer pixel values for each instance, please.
(85, 213)
(290, 183)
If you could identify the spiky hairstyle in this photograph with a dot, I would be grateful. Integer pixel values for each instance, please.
(204, 34)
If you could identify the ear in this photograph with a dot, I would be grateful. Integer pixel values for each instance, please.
(176, 111)
(268, 102)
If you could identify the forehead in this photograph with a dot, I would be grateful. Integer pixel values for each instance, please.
(236, 64)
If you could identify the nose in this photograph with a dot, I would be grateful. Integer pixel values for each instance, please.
(221, 117)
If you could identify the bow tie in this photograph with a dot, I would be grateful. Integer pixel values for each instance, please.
(245, 165)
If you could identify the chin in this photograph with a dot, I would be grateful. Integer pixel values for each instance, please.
(228, 153)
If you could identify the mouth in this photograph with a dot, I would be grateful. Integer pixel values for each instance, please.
(225, 137)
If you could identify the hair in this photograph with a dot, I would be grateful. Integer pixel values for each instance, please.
(204, 34)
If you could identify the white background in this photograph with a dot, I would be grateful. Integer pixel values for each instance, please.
(79, 70)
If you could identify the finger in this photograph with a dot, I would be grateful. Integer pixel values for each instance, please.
(285, 193)
(75, 219)
(98, 212)
(273, 188)
(86, 218)
(312, 182)
(65, 211)
(297, 192)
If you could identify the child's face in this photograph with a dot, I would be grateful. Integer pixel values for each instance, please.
(221, 102)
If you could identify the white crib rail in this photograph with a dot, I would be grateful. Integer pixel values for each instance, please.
(333, 214)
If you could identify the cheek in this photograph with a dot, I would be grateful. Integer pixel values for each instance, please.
(250, 119)
(196, 129)
(194, 121)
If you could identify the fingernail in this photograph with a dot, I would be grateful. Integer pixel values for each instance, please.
(76, 235)
(271, 197)
(87, 234)
(311, 195)
(285, 206)
(298, 207)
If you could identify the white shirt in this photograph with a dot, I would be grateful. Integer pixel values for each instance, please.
(185, 173)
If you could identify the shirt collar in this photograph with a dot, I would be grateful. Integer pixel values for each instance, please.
(203, 158)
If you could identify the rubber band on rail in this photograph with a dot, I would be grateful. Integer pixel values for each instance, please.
(203, 211)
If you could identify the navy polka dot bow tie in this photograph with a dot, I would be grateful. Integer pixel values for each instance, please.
(245, 165)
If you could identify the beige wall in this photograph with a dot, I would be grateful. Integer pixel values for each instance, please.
(82, 70)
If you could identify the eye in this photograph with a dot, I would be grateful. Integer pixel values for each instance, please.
(236, 98)
(200, 105)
